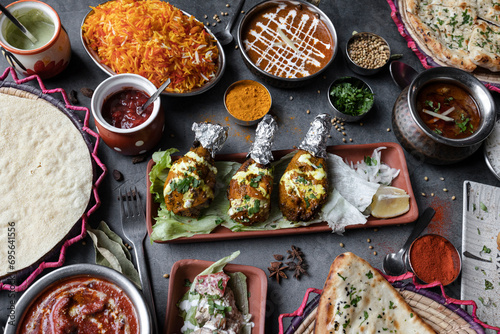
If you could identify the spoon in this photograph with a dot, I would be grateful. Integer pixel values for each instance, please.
(402, 74)
(153, 97)
(225, 37)
(18, 24)
(394, 263)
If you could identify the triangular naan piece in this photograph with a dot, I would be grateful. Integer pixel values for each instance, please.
(356, 298)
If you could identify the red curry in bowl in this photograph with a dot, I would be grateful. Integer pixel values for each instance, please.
(81, 304)
(448, 110)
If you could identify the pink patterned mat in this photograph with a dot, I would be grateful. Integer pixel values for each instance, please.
(454, 304)
(98, 175)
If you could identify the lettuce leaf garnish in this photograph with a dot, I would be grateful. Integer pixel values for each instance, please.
(159, 172)
(192, 298)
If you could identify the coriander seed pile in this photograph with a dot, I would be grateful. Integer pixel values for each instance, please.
(368, 51)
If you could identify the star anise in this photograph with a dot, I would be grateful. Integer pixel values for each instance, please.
(278, 257)
(295, 253)
(300, 269)
(277, 270)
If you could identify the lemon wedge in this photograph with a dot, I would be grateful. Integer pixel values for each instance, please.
(389, 202)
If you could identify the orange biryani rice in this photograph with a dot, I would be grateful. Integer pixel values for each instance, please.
(153, 39)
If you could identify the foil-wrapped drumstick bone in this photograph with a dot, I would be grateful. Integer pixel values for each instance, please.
(303, 188)
(249, 191)
(190, 183)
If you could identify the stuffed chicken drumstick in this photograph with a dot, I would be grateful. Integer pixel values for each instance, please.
(249, 191)
(303, 188)
(190, 182)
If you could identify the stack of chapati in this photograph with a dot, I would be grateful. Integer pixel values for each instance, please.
(45, 178)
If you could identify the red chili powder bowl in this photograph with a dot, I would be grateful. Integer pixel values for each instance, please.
(434, 258)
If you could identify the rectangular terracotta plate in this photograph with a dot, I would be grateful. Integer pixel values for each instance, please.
(393, 156)
(189, 269)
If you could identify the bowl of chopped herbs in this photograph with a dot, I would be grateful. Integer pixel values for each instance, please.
(350, 98)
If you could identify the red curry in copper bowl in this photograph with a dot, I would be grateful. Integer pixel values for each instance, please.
(83, 298)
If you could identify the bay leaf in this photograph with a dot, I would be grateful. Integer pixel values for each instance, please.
(112, 253)
(115, 237)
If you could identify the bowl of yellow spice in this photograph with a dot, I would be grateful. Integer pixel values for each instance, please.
(247, 102)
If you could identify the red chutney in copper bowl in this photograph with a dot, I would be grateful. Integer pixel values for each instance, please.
(434, 258)
(121, 108)
(81, 305)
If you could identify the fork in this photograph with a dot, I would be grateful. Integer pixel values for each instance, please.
(133, 227)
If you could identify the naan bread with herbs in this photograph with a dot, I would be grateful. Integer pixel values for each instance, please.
(356, 298)
(45, 180)
(462, 34)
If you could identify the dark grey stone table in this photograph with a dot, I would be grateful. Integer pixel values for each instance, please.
(290, 106)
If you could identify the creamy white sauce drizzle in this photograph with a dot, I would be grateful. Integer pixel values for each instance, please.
(279, 58)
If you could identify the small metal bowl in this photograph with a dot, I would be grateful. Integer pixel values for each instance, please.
(78, 270)
(236, 119)
(355, 67)
(339, 113)
(433, 254)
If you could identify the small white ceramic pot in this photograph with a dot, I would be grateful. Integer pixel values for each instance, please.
(47, 60)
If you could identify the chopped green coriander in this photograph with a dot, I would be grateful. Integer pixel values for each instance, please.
(370, 161)
(183, 185)
(301, 179)
(463, 124)
(488, 285)
(351, 99)
(365, 315)
(369, 274)
(483, 207)
(254, 182)
(485, 250)
(255, 209)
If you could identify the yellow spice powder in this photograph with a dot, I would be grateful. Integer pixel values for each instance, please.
(248, 100)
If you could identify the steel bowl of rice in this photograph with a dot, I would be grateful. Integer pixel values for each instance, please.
(121, 38)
